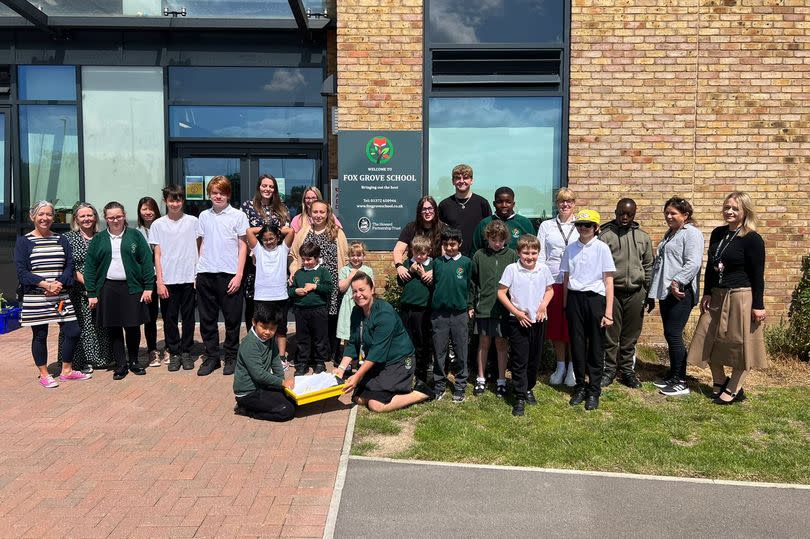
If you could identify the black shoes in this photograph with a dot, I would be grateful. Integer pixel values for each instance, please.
(120, 375)
(301, 370)
(717, 389)
(530, 399)
(208, 366)
(607, 378)
(319, 368)
(135, 368)
(630, 380)
(592, 402)
(519, 409)
(739, 396)
(500, 391)
(230, 365)
(578, 397)
(174, 362)
(186, 361)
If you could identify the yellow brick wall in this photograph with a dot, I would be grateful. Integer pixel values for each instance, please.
(696, 98)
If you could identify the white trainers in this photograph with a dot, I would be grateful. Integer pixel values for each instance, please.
(570, 379)
(557, 377)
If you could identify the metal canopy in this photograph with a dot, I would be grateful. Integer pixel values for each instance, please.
(297, 8)
(30, 13)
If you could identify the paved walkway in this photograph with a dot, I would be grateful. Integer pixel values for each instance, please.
(160, 455)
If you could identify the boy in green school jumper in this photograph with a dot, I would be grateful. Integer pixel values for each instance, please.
(414, 304)
(504, 211)
(310, 290)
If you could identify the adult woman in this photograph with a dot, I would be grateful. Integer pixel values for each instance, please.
(304, 219)
(44, 263)
(148, 211)
(94, 346)
(730, 330)
(675, 284)
(426, 224)
(555, 235)
(119, 276)
(265, 208)
(325, 233)
(384, 381)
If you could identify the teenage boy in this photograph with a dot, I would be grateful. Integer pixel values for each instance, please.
(488, 265)
(414, 304)
(221, 236)
(174, 239)
(310, 289)
(451, 310)
(588, 268)
(504, 211)
(633, 256)
(258, 383)
(464, 209)
(525, 289)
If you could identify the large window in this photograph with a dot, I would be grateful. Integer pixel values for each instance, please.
(122, 123)
(505, 21)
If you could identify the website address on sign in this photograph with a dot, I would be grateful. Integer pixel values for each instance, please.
(374, 206)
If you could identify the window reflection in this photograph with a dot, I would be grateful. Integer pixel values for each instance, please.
(293, 176)
(496, 21)
(47, 83)
(260, 85)
(266, 9)
(246, 122)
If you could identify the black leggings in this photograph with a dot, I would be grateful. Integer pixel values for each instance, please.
(39, 344)
(150, 328)
(133, 341)
(675, 313)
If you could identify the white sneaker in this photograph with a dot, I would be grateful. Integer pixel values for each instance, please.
(570, 379)
(557, 377)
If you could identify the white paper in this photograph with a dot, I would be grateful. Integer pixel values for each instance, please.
(313, 382)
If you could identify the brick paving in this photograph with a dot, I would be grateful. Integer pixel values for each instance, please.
(160, 455)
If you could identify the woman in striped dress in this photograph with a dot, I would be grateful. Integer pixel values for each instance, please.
(44, 262)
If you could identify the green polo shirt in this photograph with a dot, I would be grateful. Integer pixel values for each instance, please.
(384, 339)
(516, 224)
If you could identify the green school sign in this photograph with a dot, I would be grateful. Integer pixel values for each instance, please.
(379, 184)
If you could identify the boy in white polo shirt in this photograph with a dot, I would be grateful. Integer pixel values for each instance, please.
(588, 300)
(221, 230)
(525, 291)
(174, 237)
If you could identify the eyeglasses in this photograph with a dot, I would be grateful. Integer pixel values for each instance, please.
(585, 225)
(115, 219)
(431, 209)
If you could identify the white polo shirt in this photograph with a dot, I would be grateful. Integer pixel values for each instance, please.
(221, 233)
(586, 265)
(178, 247)
(527, 287)
(271, 273)
(116, 271)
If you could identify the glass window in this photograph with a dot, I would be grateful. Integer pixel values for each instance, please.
(512, 141)
(198, 171)
(293, 176)
(3, 169)
(47, 83)
(246, 122)
(505, 21)
(245, 85)
(122, 122)
(49, 155)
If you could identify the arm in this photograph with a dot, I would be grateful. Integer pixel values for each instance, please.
(236, 282)
(692, 257)
(607, 319)
(67, 273)
(522, 317)
(289, 235)
(353, 380)
(343, 283)
(478, 236)
(565, 290)
(250, 236)
(22, 262)
(162, 291)
(542, 310)
(400, 253)
(755, 268)
(541, 236)
(324, 288)
(257, 372)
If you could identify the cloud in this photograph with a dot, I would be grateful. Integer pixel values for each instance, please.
(285, 80)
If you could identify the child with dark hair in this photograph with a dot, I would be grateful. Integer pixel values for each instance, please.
(310, 290)
(258, 382)
(516, 224)
(451, 310)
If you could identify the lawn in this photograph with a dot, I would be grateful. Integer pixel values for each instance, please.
(765, 438)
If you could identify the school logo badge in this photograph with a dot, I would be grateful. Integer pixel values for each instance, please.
(133, 248)
(379, 150)
(316, 280)
(515, 233)
(460, 273)
(364, 225)
(408, 363)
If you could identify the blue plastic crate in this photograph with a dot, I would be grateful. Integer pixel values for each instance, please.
(9, 319)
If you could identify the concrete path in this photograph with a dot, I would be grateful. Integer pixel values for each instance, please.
(383, 498)
(160, 455)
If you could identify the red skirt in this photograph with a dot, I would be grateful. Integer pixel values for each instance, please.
(557, 328)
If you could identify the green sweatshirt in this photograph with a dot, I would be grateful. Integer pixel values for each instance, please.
(515, 223)
(258, 365)
(383, 338)
(415, 292)
(451, 284)
(632, 254)
(318, 297)
(136, 256)
(487, 269)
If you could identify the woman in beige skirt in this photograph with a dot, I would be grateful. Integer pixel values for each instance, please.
(730, 329)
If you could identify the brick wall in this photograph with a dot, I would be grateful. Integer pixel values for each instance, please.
(696, 98)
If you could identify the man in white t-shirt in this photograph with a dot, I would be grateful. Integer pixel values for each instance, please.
(174, 239)
(221, 231)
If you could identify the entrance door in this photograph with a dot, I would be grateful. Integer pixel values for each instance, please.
(294, 171)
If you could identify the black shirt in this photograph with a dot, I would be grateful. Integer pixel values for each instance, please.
(743, 259)
(464, 216)
(410, 231)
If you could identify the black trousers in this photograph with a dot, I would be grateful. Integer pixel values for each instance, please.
(179, 303)
(526, 348)
(213, 297)
(584, 312)
(417, 323)
(675, 314)
(268, 404)
(312, 335)
(70, 331)
(133, 341)
(150, 327)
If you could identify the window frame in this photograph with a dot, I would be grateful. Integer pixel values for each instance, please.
(7, 214)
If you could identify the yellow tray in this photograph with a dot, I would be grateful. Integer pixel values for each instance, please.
(321, 394)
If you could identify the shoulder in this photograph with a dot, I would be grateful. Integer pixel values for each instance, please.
(382, 312)
(247, 206)
(754, 239)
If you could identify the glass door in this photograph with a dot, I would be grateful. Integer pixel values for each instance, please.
(5, 164)
(293, 174)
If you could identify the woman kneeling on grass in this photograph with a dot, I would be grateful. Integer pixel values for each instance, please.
(384, 381)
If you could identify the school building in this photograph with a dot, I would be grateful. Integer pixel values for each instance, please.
(113, 99)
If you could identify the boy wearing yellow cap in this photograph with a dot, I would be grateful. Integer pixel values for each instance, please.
(588, 267)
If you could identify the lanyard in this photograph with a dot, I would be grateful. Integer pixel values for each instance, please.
(559, 227)
(727, 241)
(360, 354)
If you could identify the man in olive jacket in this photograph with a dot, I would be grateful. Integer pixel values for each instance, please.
(633, 255)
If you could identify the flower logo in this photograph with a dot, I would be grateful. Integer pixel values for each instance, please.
(379, 150)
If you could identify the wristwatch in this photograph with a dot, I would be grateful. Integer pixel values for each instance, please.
(399, 265)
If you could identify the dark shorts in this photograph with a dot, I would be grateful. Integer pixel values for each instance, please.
(386, 380)
(283, 306)
(490, 327)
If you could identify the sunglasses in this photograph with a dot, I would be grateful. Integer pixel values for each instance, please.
(585, 225)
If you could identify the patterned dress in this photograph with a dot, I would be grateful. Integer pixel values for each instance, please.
(328, 259)
(94, 346)
(47, 260)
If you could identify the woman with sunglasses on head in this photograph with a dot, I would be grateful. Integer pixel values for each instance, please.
(304, 219)
(426, 224)
(675, 284)
(730, 331)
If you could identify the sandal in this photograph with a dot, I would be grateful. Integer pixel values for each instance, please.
(719, 388)
(739, 396)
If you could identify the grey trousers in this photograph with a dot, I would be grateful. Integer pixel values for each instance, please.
(621, 337)
(444, 326)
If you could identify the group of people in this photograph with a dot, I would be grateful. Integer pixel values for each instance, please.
(582, 284)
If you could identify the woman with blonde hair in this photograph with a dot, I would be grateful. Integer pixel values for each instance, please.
(304, 219)
(730, 330)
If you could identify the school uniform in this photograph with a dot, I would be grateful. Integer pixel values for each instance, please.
(414, 310)
(554, 237)
(586, 265)
(516, 224)
(270, 284)
(487, 268)
(258, 380)
(311, 316)
(449, 318)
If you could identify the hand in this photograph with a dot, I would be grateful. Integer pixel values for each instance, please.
(56, 287)
(301, 291)
(704, 303)
(428, 277)
(471, 313)
(163, 291)
(310, 287)
(542, 314)
(289, 383)
(146, 297)
(92, 302)
(524, 319)
(289, 280)
(403, 273)
(757, 315)
(234, 284)
(650, 303)
(351, 383)
(675, 288)
(605, 322)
